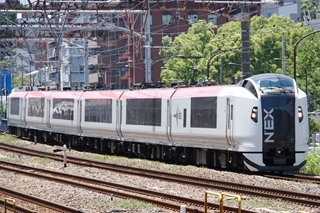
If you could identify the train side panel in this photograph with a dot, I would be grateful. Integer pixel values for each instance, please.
(245, 134)
(260, 124)
(198, 118)
(36, 115)
(144, 116)
(99, 114)
(64, 112)
(16, 109)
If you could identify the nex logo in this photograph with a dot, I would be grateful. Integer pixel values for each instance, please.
(268, 123)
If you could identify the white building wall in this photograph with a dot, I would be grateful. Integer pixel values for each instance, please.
(290, 9)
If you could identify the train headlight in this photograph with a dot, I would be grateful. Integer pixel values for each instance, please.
(254, 114)
(300, 114)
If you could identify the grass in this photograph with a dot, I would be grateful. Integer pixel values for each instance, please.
(106, 158)
(37, 160)
(7, 138)
(312, 166)
(123, 160)
(274, 204)
(129, 204)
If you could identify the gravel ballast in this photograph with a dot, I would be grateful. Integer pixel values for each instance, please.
(89, 201)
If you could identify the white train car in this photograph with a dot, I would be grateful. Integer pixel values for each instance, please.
(145, 116)
(36, 116)
(260, 124)
(100, 114)
(16, 110)
(63, 112)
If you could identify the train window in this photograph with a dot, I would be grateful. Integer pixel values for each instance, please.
(63, 108)
(276, 84)
(184, 117)
(144, 112)
(204, 112)
(249, 86)
(98, 110)
(36, 107)
(14, 106)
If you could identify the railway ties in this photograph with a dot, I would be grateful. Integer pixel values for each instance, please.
(164, 200)
(13, 201)
(301, 198)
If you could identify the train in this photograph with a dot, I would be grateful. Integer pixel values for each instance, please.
(258, 124)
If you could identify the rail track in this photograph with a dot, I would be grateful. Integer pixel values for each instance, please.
(167, 201)
(137, 171)
(294, 177)
(13, 201)
(300, 198)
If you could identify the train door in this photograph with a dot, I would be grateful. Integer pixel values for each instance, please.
(48, 110)
(23, 103)
(168, 125)
(180, 122)
(229, 127)
(79, 117)
(119, 119)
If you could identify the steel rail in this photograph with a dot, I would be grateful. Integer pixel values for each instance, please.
(39, 201)
(308, 199)
(120, 190)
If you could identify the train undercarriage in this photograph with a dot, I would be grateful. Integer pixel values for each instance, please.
(218, 159)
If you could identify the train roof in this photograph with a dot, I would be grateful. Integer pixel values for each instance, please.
(266, 76)
(102, 94)
(149, 93)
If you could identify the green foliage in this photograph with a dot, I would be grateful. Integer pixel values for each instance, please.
(309, 6)
(314, 125)
(129, 204)
(16, 80)
(219, 49)
(313, 144)
(106, 158)
(11, 17)
(7, 138)
(274, 204)
(312, 166)
(42, 161)
(22, 160)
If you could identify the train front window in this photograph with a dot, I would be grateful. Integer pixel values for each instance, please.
(276, 85)
(249, 86)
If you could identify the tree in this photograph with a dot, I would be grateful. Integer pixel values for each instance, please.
(314, 126)
(16, 81)
(194, 45)
(309, 6)
(205, 40)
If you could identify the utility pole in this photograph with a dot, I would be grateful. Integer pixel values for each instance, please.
(221, 68)
(245, 26)
(62, 69)
(86, 58)
(148, 50)
(283, 55)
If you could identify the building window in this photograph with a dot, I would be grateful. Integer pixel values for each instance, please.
(213, 18)
(192, 18)
(166, 18)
